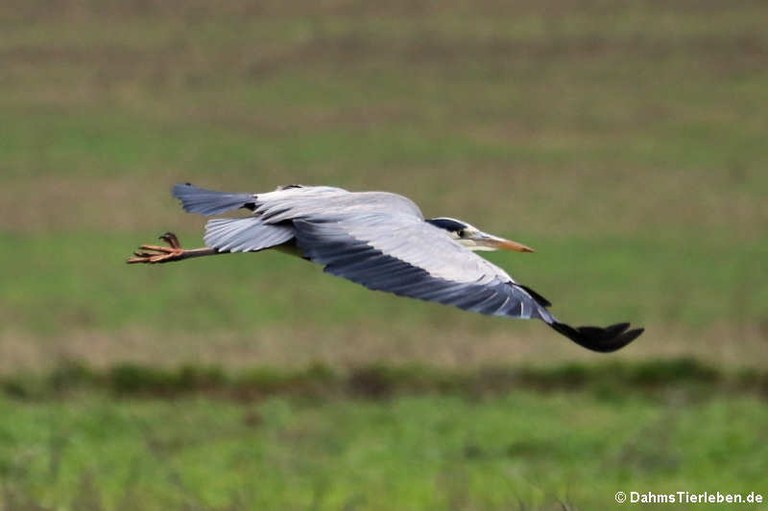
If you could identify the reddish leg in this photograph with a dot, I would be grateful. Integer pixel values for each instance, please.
(155, 254)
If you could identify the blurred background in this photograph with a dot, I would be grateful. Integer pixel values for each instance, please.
(625, 141)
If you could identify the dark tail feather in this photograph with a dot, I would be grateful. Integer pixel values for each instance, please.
(210, 202)
(602, 340)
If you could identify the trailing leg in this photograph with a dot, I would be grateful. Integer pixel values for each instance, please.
(157, 254)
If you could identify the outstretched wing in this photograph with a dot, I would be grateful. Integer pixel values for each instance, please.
(404, 255)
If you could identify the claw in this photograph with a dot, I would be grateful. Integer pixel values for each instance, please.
(153, 254)
(171, 239)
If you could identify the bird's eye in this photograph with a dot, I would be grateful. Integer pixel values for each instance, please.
(461, 233)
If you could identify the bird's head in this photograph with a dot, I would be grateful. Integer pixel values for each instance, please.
(475, 239)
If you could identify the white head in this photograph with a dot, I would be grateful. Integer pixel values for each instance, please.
(475, 239)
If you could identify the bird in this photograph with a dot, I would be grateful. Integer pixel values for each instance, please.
(380, 240)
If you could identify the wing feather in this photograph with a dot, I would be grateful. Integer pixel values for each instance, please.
(369, 249)
(248, 234)
(210, 202)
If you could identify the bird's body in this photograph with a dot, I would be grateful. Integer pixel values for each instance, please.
(380, 240)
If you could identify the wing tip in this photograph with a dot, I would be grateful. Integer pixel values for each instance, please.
(599, 339)
(536, 296)
(210, 202)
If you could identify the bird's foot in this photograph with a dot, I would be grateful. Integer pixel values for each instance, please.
(155, 254)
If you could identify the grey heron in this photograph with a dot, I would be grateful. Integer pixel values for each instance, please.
(380, 240)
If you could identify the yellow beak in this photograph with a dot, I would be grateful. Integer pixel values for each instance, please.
(485, 241)
(511, 245)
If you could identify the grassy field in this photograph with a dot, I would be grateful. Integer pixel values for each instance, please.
(379, 439)
(624, 141)
(409, 453)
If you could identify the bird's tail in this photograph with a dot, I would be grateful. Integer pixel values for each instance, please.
(210, 202)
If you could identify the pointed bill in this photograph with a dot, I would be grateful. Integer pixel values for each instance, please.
(495, 242)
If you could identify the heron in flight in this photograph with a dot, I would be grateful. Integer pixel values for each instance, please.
(380, 240)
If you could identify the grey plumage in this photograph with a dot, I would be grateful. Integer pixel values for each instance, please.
(245, 234)
(366, 250)
(209, 202)
(382, 241)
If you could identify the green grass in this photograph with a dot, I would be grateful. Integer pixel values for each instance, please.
(608, 380)
(521, 450)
